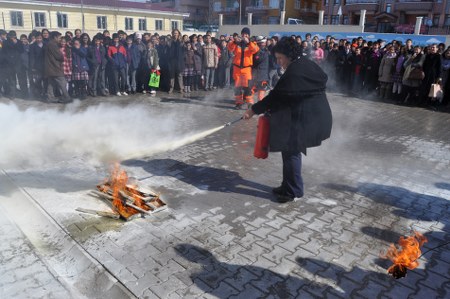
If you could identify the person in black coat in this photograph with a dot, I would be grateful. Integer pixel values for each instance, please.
(176, 60)
(432, 68)
(97, 64)
(12, 50)
(300, 114)
(37, 66)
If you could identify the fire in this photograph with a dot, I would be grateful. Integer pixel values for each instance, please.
(406, 257)
(117, 186)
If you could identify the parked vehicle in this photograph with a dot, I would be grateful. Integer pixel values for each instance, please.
(212, 28)
(292, 21)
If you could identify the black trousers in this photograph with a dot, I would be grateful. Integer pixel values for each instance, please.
(292, 173)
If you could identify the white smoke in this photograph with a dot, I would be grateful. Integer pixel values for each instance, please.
(98, 134)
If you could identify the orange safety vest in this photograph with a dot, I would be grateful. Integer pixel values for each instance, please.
(242, 62)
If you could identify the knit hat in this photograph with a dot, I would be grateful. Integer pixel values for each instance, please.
(245, 30)
(138, 36)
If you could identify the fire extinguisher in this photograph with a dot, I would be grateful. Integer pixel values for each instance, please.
(261, 150)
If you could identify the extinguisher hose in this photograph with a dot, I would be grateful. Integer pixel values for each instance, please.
(232, 122)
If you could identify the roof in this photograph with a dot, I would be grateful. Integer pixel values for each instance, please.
(105, 3)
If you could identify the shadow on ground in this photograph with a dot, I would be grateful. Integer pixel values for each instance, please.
(312, 278)
(203, 177)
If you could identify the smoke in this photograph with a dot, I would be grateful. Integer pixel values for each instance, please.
(98, 134)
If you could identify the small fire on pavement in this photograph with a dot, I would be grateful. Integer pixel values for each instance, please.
(127, 200)
(406, 257)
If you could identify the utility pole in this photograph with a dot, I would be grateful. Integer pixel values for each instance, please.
(82, 17)
(240, 12)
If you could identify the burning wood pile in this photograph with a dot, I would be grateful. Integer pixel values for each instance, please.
(127, 200)
(406, 257)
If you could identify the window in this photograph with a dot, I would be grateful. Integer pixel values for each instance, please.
(142, 25)
(436, 20)
(128, 23)
(335, 20)
(325, 20)
(101, 22)
(274, 4)
(158, 25)
(62, 20)
(174, 25)
(346, 20)
(274, 20)
(217, 6)
(326, 2)
(388, 8)
(297, 4)
(447, 20)
(16, 18)
(39, 19)
(337, 1)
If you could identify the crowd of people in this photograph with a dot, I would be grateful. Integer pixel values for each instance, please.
(56, 67)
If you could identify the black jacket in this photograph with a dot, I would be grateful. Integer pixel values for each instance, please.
(37, 57)
(92, 58)
(300, 113)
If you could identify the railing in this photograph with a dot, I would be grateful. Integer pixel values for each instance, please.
(260, 7)
(226, 9)
(362, 1)
(415, 1)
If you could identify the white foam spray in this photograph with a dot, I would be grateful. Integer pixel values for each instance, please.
(98, 134)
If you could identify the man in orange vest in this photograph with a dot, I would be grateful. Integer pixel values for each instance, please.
(243, 50)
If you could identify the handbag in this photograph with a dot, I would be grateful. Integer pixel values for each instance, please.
(416, 73)
(155, 77)
(436, 92)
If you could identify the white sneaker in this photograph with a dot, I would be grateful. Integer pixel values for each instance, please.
(153, 91)
(124, 93)
(118, 94)
(144, 92)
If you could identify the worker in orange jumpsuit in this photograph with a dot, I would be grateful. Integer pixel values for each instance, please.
(243, 50)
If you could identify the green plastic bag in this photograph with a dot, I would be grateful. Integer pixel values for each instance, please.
(154, 79)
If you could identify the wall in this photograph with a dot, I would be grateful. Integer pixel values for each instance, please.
(266, 29)
(115, 19)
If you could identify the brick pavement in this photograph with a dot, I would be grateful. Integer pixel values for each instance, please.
(384, 173)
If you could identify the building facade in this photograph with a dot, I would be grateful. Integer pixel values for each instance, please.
(91, 16)
(266, 11)
(390, 15)
(199, 10)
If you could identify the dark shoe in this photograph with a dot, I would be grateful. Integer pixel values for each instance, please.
(238, 107)
(278, 190)
(283, 198)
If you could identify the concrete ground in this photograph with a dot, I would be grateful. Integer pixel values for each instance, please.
(384, 173)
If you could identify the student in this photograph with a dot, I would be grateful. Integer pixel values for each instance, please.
(188, 72)
(133, 61)
(97, 63)
(37, 66)
(118, 57)
(151, 64)
(80, 69)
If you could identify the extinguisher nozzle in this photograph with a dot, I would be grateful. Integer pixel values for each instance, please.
(232, 122)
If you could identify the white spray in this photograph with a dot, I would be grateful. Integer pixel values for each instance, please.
(98, 134)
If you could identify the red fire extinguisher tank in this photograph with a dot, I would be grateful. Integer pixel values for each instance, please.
(261, 150)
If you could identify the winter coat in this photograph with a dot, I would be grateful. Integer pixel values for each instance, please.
(151, 59)
(189, 58)
(198, 57)
(243, 53)
(25, 57)
(300, 113)
(226, 57)
(176, 57)
(79, 60)
(410, 63)
(118, 56)
(11, 53)
(387, 68)
(261, 65)
(53, 59)
(37, 57)
(134, 56)
(92, 57)
(432, 67)
(210, 56)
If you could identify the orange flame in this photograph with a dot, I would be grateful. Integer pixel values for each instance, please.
(117, 186)
(406, 257)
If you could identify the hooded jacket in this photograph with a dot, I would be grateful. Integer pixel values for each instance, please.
(300, 113)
